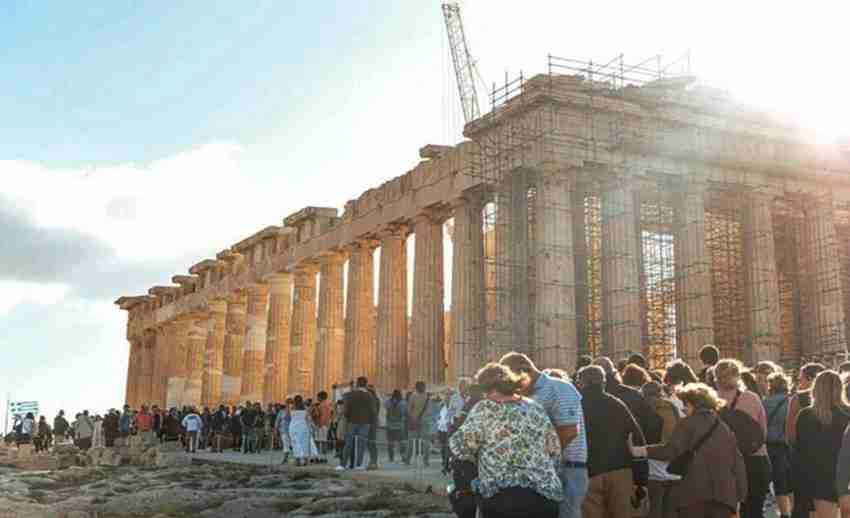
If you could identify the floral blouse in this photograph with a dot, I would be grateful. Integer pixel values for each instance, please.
(514, 445)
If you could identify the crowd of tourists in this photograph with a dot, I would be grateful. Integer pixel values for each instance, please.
(610, 440)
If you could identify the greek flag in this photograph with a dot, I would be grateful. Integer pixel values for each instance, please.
(21, 408)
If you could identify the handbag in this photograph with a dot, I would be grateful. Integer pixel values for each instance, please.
(679, 465)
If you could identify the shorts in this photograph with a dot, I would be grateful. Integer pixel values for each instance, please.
(780, 460)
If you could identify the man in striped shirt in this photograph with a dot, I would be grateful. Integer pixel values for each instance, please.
(563, 405)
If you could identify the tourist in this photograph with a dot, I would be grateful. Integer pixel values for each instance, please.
(125, 421)
(762, 371)
(27, 428)
(396, 409)
(820, 430)
(359, 411)
(714, 482)
(42, 435)
(235, 427)
(802, 398)
(842, 475)
(171, 426)
(248, 419)
(218, 427)
(464, 472)
(323, 420)
(634, 376)
(83, 430)
(299, 432)
(661, 482)
(156, 422)
(563, 405)
(709, 355)
(419, 425)
(60, 428)
(144, 424)
(458, 399)
(731, 389)
(281, 425)
(515, 446)
(341, 429)
(194, 426)
(97, 439)
(633, 399)
(206, 429)
(677, 375)
(108, 429)
(609, 425)
(776, 408)
(748, 378)
(441, 430)
(373, 428)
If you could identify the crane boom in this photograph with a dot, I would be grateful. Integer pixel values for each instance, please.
(463, 63)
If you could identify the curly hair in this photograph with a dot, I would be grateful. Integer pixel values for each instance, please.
(498, 377)
(700, 395)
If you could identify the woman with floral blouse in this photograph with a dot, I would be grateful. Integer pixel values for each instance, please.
(515, 446)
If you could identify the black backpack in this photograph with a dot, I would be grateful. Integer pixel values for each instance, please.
(747, 431)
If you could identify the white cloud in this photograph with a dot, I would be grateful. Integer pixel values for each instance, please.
(13, 293)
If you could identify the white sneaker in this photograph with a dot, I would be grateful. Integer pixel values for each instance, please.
(340, 468)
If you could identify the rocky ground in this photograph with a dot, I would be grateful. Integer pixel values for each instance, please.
(176, 489)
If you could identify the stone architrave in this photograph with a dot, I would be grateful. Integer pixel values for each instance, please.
(331, 342)
(360, 358)
(428, 361)
(468, 302)
(254, 348)
(178, 347)
(762, 281)
(392, 311)
(302, 352)
(278, 336)
(211, 395)
(695, 306)
(231, 382)
(621, 315)
(195, 353)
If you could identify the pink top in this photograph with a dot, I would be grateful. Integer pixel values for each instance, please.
(749, 403)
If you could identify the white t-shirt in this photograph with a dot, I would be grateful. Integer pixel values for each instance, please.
(27, 426)
(193, 423)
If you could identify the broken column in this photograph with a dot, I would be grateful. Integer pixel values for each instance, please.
(254, 347)
(195, 353)
(555, 307)
(428, 361)
(468, 303)
(278, 336)
(392, 311)
(231, 382)
(214, 358)
(302, 352)
(694, 304)
(360, 358)
(762, 281)
(331, 341)
(621, 315)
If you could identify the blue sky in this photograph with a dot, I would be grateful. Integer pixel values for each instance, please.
(139, 137)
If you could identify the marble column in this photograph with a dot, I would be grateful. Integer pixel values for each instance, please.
(195, 353)
(146, 368)
(621, 315)
(694, 303)
(428, 361)
(231, 381)
(469, 349)
(159, 378)
(278, 336)
(302, 353)
(823, 318)
(392, 311)
(762, 282)
(360, 358)
(331, 343)
(555, 307)
(254, 348)
(178, 347)
(214, 359)
(131, 389)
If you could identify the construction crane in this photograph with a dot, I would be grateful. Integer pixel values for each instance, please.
(465, 69)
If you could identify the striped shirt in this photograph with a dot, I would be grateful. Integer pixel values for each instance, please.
(562, 403)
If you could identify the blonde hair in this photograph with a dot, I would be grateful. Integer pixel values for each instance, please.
(727, 372)
(827, 395)
(700, 395)
(778, 383)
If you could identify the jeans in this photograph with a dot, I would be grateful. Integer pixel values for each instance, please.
(518, 502)
(575, 481)
(419, 441)
(249, 441)
(373, 444)
(355, 441)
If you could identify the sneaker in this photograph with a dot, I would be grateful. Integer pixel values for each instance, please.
(340, 468)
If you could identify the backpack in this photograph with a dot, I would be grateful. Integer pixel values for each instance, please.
(747, 431)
